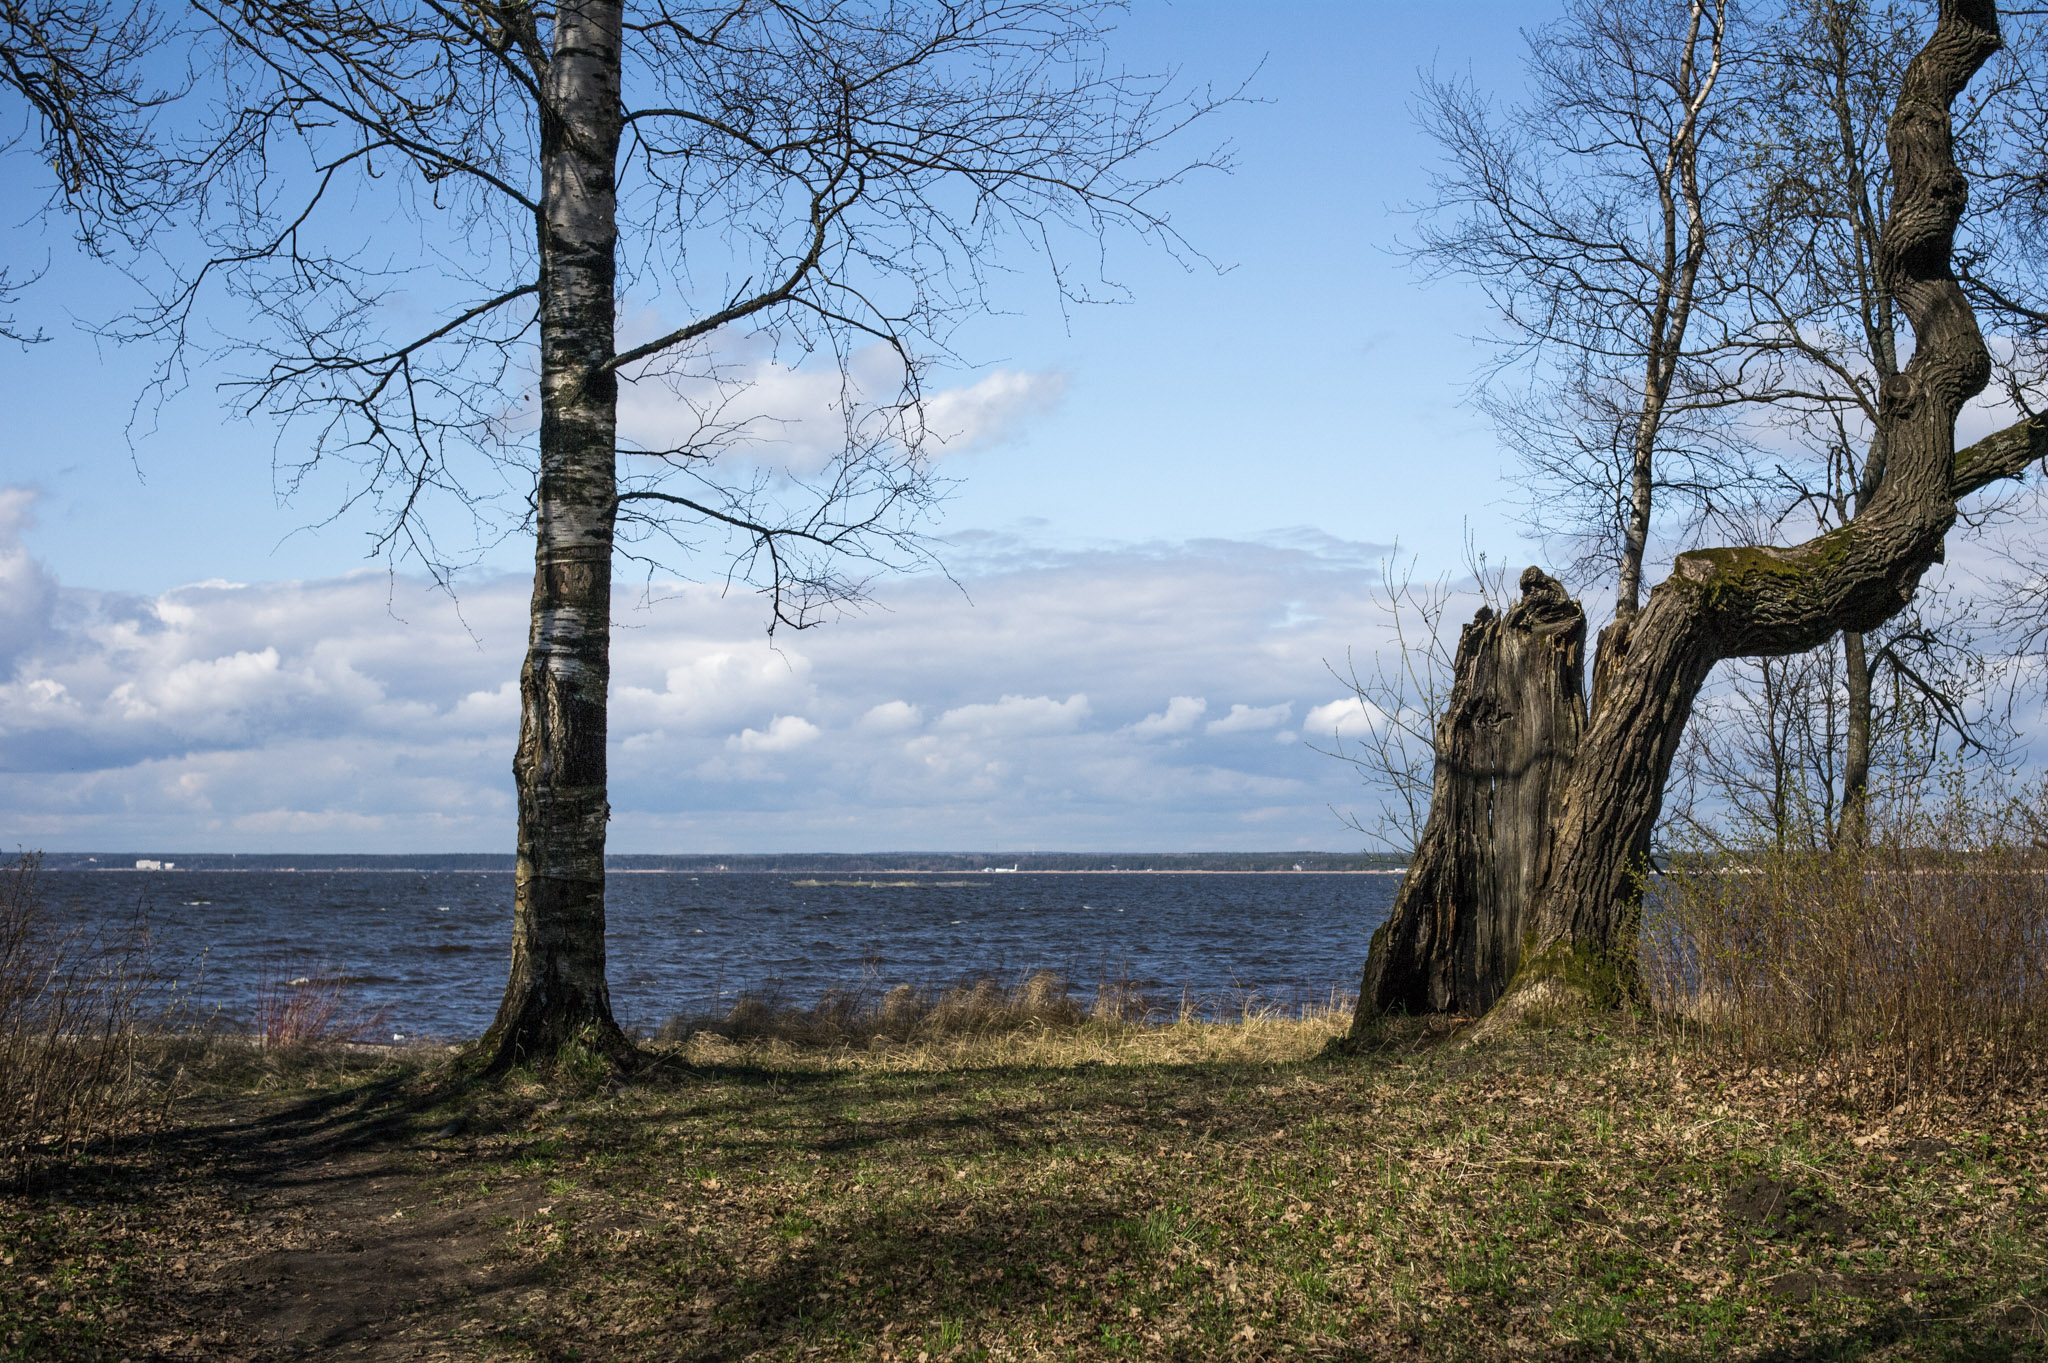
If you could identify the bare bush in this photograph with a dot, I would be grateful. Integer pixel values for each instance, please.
(313, 1009)
(1912, 967)
(72, 1069)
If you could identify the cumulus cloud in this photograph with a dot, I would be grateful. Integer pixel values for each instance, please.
(990, 410)
(362, 713)
(678, 686)
(795, 418)
(785, 733)
(1250, 719)
(892, 716)
(1019, 715)
(1346, 717)
(1178, 717)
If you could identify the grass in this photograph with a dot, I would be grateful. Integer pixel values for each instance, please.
(1093, 1190)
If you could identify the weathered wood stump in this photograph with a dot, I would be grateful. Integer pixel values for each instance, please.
(1504, 751)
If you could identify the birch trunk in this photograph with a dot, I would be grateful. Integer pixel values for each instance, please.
(1853, 827)
(556, 993)
(1678, 187)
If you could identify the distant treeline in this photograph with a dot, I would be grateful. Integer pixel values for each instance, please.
(798, 863)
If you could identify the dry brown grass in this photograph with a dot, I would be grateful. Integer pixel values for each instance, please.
(1909, 968)
(908, 1020)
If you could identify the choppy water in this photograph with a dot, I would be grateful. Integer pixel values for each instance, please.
(429, 949)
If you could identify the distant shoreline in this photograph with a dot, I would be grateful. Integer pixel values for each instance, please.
(715, 871)
(834, 865)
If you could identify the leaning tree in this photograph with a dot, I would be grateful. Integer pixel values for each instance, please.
(1526, 891)
(433, 210)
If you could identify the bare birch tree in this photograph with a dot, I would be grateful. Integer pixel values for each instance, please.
(820, 177)
(1826, 336)
(1590, 215)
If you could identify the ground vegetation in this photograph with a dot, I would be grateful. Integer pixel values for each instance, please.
(1092, 1191)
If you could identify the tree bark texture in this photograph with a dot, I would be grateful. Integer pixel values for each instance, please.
(1578, 943)
(556, 992)
(1503, 748)
(1853, 826)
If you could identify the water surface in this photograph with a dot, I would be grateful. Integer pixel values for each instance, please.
(429, 948)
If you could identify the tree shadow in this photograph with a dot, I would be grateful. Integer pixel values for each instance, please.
(1956, 1327)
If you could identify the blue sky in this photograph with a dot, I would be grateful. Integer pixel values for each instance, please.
(1312, 382)
(1163, 531)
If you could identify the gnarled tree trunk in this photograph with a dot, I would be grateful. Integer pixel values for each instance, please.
(1578, 945)
(1503, 749)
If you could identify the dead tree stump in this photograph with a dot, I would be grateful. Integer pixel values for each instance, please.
(1504, 751)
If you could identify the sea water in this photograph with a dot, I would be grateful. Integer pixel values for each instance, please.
(427, 950)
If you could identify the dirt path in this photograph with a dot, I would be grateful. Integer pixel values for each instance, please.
(313, 1229)
(366, 1266)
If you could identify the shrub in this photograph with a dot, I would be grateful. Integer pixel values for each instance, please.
(1907, 966)
(311, 1010)
(71, 1066)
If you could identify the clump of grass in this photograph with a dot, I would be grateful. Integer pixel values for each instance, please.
(1905, 966)
(1041, 1004)
(862, 1015)
(72, 1068)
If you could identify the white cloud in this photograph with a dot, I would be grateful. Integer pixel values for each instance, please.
(1018, 715)
(363, 713)
(795, 419)
(705, 686)
(785, 733)
(1343, 718)
(990, 410)
(1178, 717)
(203, 686)
(1246, 719)
(892, 717)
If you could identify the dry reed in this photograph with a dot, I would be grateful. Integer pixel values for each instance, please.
(1040, 1003)
(862, 1015)
(72, 1068)
(1909, 966)
(311, 1010)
